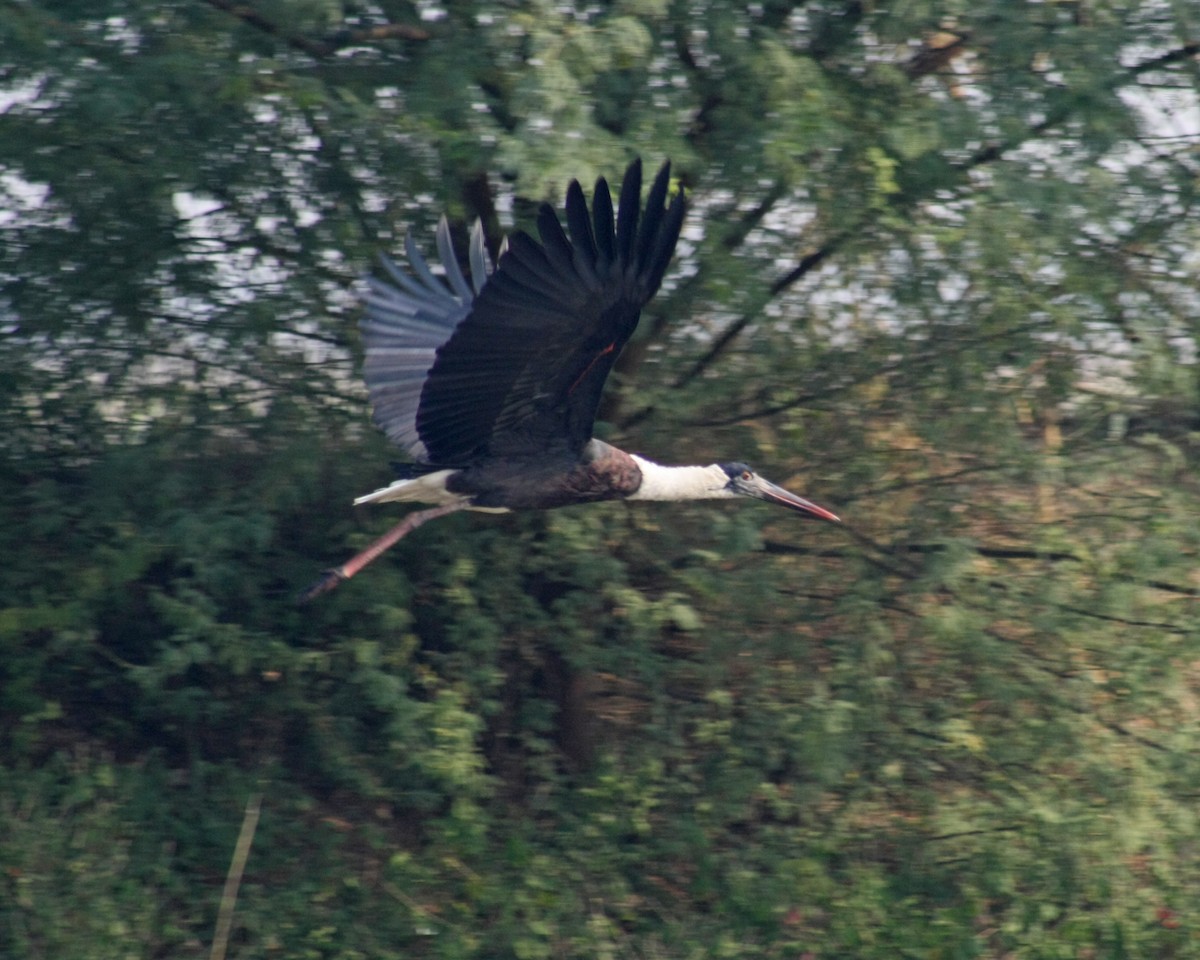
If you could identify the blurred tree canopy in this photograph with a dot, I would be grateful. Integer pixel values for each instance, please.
(939, 273)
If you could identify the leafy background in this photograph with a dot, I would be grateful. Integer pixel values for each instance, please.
(939, 273)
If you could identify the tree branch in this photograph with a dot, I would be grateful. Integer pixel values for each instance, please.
(985, 155)
(319, 49)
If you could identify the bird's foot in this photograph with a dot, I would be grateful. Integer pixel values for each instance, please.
(326, 582)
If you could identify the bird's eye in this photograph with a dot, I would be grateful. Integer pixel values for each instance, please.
(747, 475)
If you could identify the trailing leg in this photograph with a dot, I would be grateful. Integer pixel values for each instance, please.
(332, 577)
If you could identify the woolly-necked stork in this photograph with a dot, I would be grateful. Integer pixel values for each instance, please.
(492, 386)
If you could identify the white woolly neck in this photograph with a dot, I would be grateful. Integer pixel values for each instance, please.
(680, 483)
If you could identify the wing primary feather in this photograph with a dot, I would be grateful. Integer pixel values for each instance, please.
(602, 220)
(653, 217)
(579, 223)
(450, 262)
(664, 247)
(554, 241)
(584, 244)
(419, 266)
(478, 257)
(627, 211)
(433, 297)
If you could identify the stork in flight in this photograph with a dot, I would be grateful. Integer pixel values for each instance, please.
(492, 386)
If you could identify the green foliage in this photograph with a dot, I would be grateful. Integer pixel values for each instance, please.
(938, 273)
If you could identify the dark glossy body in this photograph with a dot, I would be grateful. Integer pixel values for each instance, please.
(600, 472)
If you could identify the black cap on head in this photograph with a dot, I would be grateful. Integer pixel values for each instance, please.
(735, 470)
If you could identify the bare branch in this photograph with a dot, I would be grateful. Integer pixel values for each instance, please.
(320, 49)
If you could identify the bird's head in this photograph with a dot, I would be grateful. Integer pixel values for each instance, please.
(744, 482)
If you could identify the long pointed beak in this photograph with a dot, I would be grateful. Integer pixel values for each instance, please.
(765, 490)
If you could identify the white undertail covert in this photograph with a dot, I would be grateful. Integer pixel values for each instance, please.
(427, 488)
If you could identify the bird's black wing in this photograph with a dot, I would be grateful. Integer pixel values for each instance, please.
(407, 319)
(523, 371)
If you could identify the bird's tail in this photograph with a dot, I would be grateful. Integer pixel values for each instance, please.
(425, 488)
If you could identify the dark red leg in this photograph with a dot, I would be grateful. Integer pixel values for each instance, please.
(331, 578)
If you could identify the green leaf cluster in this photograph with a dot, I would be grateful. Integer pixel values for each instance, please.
(938, 273)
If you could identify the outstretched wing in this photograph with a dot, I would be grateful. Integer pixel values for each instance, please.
(524, 369)
(407, 319)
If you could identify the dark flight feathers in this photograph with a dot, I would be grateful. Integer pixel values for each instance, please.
(519, 368)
